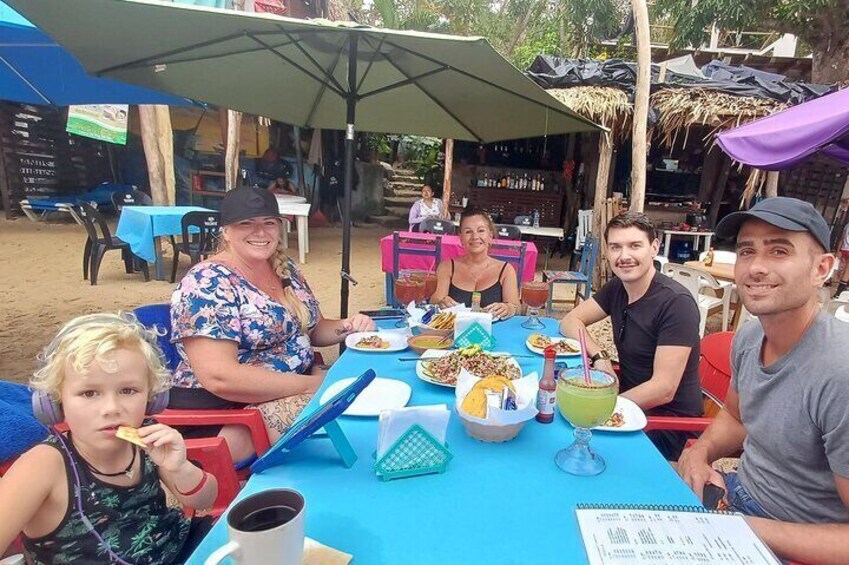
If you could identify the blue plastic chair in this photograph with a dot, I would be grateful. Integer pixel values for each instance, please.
(512, 252)
(158, 317)
(410, 244)
(583, 277)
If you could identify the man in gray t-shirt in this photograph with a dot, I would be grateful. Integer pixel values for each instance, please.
(788, 405)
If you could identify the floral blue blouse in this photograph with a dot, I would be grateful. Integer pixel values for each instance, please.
(216, 302)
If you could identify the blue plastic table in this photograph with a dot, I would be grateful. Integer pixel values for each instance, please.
(142, 226)
(496, 503)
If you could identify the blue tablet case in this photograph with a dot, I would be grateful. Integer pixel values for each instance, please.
(322, 417)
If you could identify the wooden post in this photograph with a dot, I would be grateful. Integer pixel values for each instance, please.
(165, 142)
(641, 105)
(719, 190)
(231, 156)
(446, 180)
(605, 159)
(709, 169)
(772, 184)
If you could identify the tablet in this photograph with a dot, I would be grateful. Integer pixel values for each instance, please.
(309, 424)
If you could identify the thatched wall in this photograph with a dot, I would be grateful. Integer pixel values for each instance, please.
(604, 105)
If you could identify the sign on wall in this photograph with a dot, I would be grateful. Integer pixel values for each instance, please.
(104, 122)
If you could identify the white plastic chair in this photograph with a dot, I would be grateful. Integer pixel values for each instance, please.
(842, 314)
(659, 262)
(743, 317)
(726, 257)
(585, 226)
(696, 280)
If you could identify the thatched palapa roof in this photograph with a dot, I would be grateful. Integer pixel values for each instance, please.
(679, 109)
(604, 105)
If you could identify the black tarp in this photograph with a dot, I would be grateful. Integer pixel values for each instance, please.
(554, 72)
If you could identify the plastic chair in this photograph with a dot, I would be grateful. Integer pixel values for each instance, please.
(583, 277)
(696, 280)
(200, 237)
(842, 314)
(715, 376)
(659, 262)
(100, 240)
(506, 231)
(434, 225)
(158, 317)
(512, 252)
(410, 244)
(133, 197)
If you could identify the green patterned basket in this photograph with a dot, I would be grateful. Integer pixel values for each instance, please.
(414, 453)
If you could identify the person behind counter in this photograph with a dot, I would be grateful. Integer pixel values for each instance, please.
(426, 207)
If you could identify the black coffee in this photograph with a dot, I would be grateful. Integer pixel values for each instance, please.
(266, 518)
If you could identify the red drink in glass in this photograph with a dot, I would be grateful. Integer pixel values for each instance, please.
(408, 290)
(535, 294)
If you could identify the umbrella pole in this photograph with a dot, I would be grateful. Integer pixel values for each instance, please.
(349, 173)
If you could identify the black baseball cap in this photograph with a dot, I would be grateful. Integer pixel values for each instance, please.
(246, 202)
(782, 212)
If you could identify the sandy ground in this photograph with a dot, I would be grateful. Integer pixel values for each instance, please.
(41, 277)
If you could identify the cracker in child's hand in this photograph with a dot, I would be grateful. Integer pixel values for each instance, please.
(131, 435)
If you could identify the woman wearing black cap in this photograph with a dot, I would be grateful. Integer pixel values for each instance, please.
(245, 323)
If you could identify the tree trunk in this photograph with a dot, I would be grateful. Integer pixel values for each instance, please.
(446, 181)
(709, 167)
(231, 156)
(719, 190)
(157, 140)
(641, 105)
(772, 184)
(519, 30)
(831, 59)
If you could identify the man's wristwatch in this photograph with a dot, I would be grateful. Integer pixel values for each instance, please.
(602, 354)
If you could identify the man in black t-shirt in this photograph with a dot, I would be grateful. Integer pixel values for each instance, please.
(655, 329)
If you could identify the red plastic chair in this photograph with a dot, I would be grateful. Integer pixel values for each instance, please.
(213, 456)
(715, 375)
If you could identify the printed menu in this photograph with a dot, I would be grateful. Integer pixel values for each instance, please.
(671, 536)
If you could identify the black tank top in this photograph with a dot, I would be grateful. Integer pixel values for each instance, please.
(489, 295)
(135, 520)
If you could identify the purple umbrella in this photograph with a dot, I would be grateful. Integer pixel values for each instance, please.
(785, 139)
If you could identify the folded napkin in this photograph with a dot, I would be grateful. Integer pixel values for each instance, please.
(316, 553)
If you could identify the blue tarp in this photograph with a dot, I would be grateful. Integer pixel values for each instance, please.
(34, 69)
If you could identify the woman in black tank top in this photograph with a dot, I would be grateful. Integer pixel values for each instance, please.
(476, 271)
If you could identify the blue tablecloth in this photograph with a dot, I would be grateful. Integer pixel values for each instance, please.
(138, 225)
(496, 503)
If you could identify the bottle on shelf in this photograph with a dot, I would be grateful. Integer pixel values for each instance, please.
(547, 393)
(536, 218)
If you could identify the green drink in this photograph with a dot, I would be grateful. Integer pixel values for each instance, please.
(587, 405)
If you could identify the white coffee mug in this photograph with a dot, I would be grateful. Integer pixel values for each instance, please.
(265, 528)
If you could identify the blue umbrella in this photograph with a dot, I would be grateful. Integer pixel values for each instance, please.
(34, 69)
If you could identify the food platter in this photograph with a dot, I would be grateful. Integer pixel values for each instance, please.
(628, 416)
(501, 363)
(538, 342)
(376, 342)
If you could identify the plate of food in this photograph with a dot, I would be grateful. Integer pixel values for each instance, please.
(626, 417)
(376, 342)
(380, 394)
(565, 346)
(442, 367)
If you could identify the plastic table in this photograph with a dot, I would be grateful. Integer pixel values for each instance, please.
(142, 226)
(496, 503)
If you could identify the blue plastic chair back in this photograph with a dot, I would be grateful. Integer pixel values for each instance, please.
(413, 244)
(513, 253)
(158, 317)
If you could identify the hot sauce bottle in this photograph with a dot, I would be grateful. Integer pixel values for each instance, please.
(547, 389)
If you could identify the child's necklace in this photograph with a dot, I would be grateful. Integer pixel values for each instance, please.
(129, 471)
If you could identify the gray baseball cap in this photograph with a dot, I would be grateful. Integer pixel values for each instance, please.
(782, 212)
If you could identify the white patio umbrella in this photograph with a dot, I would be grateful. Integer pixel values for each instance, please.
(332, 75)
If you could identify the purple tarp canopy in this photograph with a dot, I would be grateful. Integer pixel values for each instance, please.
(785, 139)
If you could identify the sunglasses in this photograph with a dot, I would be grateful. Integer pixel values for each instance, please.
(623, 326)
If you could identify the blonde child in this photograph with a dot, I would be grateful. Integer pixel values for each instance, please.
(86, 496)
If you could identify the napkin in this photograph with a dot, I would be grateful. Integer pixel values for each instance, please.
(466, 319)
(392, 424)
(526, 396)
(316, 553)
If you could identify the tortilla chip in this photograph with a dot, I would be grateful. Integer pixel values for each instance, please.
(131, 435)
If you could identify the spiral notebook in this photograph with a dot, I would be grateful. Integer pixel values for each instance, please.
(668, 535)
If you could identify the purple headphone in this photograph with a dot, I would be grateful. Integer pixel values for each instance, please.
(48, 411)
